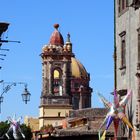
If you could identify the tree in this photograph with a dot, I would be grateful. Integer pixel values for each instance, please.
(26, 131)
(4, 126)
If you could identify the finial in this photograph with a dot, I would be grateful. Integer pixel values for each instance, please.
(68, 37)
(56, 26)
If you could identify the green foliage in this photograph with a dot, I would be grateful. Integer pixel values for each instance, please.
(26, 131)
(4, 126)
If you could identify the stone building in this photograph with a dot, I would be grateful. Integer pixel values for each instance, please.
(65, 81)
(127, 55)
(32, 122)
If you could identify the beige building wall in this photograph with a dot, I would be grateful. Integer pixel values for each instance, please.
(53, 114)
(33, 123)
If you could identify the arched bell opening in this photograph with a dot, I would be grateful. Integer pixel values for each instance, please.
(57, 82)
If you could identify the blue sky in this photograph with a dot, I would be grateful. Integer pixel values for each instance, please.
(90, 24)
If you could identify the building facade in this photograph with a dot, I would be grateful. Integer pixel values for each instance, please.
(127, 55)
(32, 122)
(65, 81)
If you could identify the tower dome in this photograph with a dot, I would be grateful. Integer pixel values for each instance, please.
(56, 37)
(78, 70)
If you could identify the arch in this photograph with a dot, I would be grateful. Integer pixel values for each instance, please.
(57, 82)
(56, 74)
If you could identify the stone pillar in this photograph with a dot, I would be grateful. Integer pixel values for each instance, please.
(81, 97)
(137, 124)
(80, 101)
(65, 79)
(89, 99)
(45, 83)
(50, 78)
(138, 103)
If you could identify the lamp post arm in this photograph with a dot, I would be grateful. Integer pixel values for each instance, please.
(7, 88)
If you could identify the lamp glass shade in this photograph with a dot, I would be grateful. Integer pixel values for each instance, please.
(26, 96)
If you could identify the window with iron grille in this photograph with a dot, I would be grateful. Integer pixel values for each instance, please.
(123, 49)
(122, 6)
(139, 47)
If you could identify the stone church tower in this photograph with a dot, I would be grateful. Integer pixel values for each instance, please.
(127, 56)
(65, 81)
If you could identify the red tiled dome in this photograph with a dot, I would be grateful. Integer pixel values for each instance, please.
(56, 37)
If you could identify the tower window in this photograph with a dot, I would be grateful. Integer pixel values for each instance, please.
(138, 66)
(123, 49)
(56, 74)
(122, 6)
(59, 113)
(57, 82)
(123, 54)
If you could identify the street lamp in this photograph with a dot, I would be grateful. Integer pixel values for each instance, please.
(25, 96)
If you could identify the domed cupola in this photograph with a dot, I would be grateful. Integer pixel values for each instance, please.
(56, 37)
(78, 70)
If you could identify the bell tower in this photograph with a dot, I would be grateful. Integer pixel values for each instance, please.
(56, 98)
